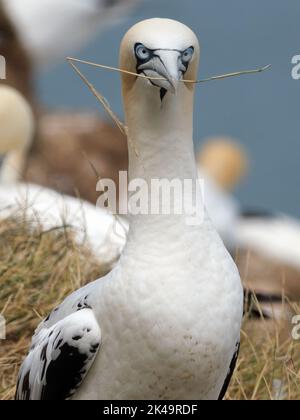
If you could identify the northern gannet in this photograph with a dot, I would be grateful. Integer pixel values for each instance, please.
(50, 29)
(266, 244)
(222, 163)
(269, 245)
(97, 226)
(165, 322)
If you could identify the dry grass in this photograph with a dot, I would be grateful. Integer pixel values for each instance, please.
(269, 363)
(38, 269)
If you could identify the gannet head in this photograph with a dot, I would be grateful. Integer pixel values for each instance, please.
(16, 121)
(224, 160)
(160, 48)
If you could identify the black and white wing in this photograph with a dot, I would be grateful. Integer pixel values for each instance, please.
(230, 372)
(60, 358)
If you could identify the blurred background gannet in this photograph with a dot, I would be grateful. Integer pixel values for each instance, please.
(51, 29)
(71, 148)
(265, 244)
(222, 164)
(46, 206)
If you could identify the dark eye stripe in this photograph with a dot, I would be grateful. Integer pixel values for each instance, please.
(185, 56)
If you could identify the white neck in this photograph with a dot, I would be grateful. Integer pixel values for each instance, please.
(160, 135)
(13, 166)
(160, 142)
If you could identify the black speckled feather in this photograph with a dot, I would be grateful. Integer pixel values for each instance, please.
(60, 358)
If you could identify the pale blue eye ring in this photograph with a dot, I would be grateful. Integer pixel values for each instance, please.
(187, 55)
(142, 52)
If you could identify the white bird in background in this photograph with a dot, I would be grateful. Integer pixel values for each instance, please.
(222, 163)
(274, 235)
(165, 323)
(269, 240)
(97, 226)
(271, 257)
(51, 29)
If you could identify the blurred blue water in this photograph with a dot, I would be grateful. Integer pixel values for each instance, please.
(262, 111)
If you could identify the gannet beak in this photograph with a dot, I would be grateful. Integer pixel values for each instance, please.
(168, 66)
(165, 64)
